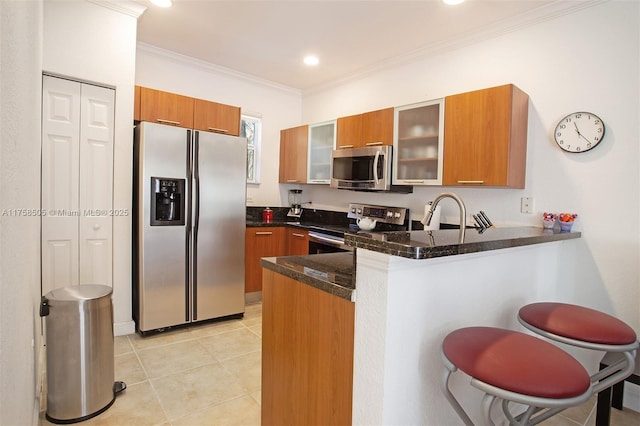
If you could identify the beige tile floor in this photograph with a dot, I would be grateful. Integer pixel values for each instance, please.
(202, 375)
(210, 375)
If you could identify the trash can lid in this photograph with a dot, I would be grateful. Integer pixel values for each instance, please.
(79, 292)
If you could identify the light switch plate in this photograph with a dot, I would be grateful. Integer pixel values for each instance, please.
(526, 205)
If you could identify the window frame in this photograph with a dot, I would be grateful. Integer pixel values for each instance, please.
(253, 146)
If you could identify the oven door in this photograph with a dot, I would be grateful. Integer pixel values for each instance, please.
(366, 169)
(324, 243)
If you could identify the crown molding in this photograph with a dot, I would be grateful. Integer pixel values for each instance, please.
(126, 7)
(213, 68)
(548, 12)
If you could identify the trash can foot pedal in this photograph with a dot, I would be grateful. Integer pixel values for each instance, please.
(118, 387)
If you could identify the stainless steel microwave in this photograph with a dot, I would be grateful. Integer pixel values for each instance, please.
(362, 169)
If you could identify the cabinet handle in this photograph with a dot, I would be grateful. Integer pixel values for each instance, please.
(345, 146)
(470, 182)
(373, 143)
(173, 123)
(292, 180)
(264, 233)
(413, 181)
(297, 235)
(215, 129)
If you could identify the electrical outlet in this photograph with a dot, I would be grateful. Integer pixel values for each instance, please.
(526, 205)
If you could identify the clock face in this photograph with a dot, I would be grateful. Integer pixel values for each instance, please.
(579, 132)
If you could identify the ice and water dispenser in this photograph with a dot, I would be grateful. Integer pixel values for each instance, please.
(167, 201)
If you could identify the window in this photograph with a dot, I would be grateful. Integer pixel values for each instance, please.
(251, 128)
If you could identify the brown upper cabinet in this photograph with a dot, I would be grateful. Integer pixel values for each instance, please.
(161, 107)
(157, 106)
(349, 131)
(214, 117)
(294, 145)
(372, 128)
(485, 138)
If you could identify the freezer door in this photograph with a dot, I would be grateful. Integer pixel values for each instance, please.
(162, 250)
(219, 197)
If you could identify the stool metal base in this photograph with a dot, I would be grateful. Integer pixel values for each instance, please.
(613, 396)
(538, 409)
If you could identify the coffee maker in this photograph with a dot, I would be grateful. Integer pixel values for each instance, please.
(295, 201)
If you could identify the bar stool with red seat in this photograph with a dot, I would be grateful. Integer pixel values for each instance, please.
(585, 328)
(514, 367)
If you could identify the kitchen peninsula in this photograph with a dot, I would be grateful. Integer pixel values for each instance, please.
(381, 347)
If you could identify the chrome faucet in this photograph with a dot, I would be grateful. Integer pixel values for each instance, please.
(463, 212)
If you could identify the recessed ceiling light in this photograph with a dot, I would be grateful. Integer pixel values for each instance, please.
(452, 2)
(311, 60)
(161, 3)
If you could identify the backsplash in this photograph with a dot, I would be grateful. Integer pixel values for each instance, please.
(321, 217)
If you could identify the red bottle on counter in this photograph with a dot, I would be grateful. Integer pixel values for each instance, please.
(267, 215)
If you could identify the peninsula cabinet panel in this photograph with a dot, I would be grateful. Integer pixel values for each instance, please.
(485, 138)
(161, 107)
(294, 144)
(261, 242)
(307, 354)
(214, 117)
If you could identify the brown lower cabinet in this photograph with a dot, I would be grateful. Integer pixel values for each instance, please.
(261, 242)
(307, 354)
(297, 242)
(267, 242)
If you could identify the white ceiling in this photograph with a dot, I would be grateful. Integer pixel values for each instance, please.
(268, 39)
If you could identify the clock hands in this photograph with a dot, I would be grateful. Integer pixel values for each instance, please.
(580, 134)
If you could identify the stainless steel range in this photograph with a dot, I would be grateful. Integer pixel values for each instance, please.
(396, 218)
(330, 238)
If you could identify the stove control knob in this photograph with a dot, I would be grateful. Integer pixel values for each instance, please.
(389, 214)
(398, 215)
(359, 211)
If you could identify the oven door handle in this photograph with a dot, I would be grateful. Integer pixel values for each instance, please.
(330, 241)
(333, 242)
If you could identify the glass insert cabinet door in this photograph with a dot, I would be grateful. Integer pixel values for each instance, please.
(417, 143)
(322, 140)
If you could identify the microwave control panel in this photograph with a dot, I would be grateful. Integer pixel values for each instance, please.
(392, 215)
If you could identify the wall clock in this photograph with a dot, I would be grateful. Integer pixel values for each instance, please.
(579, 132)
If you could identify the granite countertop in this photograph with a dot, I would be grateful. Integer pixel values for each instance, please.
(444, 242)
(260, 224)
(335, 272)
(330, 272)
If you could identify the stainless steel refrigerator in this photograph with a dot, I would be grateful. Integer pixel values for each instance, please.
(189, 226)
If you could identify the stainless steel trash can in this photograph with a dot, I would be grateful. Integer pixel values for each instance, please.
(79, 346)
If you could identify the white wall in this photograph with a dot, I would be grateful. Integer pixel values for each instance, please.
(405, 308)
(588, 60)
(280, 107)
(562, 63)
(100, 48)
(20, 92)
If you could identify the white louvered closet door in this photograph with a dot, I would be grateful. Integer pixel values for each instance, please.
(77, 183)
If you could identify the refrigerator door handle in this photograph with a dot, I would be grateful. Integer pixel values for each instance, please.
(188, 230)
(196, 222)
